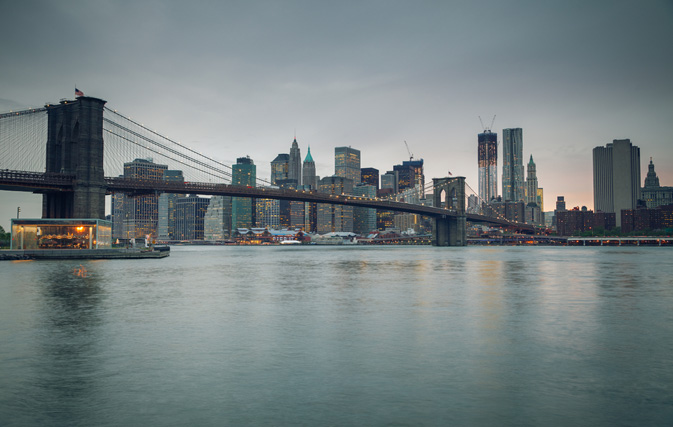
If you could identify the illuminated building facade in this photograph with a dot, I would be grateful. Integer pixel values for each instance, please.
(418, 176)
(280, 168)
(332, 218)
(408, 221)
(385, 219)
(140, 214)
(512, 165)
(347, 163)
(488, 164)
(370, 176)
(405, 176)
(268, 213)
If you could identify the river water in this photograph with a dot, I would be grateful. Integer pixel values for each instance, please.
(341, 336)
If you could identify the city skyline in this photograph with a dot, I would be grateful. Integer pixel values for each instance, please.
(241, 78)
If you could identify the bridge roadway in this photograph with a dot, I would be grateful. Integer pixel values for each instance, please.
(46, 182)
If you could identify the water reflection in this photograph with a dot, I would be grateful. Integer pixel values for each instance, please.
(69, 341)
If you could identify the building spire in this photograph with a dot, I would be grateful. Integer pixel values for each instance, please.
(652, 180)
(308, 158)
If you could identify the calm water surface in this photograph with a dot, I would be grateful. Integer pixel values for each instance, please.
(341, 336)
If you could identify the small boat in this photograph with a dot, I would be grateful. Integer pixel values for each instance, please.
(290, 242)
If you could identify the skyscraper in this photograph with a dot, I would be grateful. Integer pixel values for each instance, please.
(531, 182)
(488, 164)
(335, 217)
(244, 172)
(189, 215)
(389, 188)
(370, 176)
(141, 213)
(512, 165)
(294, 171)
(347, 163)
(267, 212)
(616, 177)
(406, 174)
(309, 178)
(364, 219)
(280, 168)
(291, 212)
(534, 213)
(560, 204)
(118, 200)
(473, 205)
(418, 174)
(167, 206)
(391, 180)
(217, 221)
(310, 182)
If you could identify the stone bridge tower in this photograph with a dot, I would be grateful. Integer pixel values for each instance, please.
(75, 147)
(450, 230)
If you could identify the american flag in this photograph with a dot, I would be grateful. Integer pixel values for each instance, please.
(78, 92)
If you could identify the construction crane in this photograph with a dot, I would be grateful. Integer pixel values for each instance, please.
(411, 156)
(487, 129)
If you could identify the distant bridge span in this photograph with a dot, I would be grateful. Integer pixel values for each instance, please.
(135, 186)
(54, 182)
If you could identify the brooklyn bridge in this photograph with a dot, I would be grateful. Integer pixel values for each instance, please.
(73, 153)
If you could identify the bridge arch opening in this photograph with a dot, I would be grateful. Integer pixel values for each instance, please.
(452, 201)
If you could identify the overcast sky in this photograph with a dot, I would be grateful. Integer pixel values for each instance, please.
(237, 78)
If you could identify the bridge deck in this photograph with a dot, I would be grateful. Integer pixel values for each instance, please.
(41, 182)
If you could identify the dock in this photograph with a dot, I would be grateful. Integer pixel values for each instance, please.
(41, 254)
